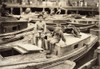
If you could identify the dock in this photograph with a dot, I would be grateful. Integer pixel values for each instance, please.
(65, 9)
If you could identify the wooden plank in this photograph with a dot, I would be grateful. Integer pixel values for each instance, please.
(29, 47)
(22, 51)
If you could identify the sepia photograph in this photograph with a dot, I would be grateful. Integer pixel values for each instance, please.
(49, 34)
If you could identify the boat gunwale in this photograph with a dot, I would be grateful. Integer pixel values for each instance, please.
(17, 32)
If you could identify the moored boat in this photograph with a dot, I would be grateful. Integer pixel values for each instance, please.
(31, 56)
(12, 30)
(84, 24)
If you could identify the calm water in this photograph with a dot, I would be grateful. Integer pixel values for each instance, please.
(86, 57)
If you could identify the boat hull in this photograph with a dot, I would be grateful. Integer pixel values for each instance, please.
(44, 64)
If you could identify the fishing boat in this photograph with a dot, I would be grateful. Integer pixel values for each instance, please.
(12, 29)
(23, 55)
(84, 23)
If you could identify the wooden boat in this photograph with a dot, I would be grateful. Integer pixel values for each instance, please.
(23, 55)
(79, 21)
(85, 21)
(83, 24)
(12, 29)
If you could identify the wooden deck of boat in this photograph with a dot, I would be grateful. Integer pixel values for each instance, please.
(70, 39)
(32, 59)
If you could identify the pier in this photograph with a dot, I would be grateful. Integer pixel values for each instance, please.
(66, 9)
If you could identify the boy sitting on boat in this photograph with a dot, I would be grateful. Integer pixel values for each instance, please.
(71, 29)
(56, 37)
